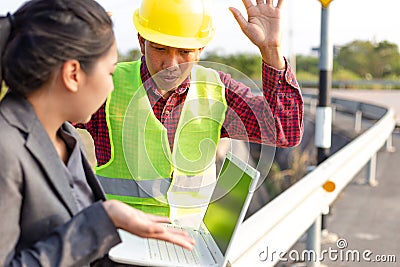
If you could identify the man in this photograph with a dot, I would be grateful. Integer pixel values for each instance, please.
(166, 115)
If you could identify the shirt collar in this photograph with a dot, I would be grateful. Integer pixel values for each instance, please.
(150, 85)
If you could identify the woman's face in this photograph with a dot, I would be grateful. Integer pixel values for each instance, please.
(97, 84)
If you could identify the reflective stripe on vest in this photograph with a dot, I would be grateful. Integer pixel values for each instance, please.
(132, 188)
(141, 162)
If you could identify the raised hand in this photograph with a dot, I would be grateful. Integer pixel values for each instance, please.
(263, 28)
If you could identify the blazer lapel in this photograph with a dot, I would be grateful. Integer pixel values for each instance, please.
(39, 144)
(98, 191)
(19, 113)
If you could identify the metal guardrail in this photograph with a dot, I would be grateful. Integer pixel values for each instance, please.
(274, 229)
(359, 109)
(379, 84)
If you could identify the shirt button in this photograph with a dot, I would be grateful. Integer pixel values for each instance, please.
(167, 112)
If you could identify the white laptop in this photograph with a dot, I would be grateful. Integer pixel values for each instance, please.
(229, 203)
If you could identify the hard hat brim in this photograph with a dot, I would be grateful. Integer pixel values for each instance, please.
(169, 40)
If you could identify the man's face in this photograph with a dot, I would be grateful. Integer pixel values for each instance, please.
(172, 65)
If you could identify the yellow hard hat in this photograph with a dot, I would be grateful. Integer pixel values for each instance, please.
(175, 23)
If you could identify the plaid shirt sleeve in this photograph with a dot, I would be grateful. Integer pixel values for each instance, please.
(273, 117)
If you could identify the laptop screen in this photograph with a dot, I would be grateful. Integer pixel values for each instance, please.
(226, 203)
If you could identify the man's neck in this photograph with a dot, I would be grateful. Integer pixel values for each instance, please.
(165, 93)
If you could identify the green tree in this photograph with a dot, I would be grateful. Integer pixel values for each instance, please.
(344, 75)
(249, 64)
(386, 58)
(356, 57)
(132, 55)
(395, 72)
(307, 64)
(368, 59)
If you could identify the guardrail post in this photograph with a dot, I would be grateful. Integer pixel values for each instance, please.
(333, 112)
(357, 121)
(314, 243)
(389, 144)
(371, 171)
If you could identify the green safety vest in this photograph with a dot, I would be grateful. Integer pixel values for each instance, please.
(141, 165)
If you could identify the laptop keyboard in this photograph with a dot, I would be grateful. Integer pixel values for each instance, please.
(169, 252)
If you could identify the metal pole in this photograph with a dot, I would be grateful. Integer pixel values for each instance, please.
(314, 243)
(371, 171)
(323, 118)
(389, 144)
(358, 121)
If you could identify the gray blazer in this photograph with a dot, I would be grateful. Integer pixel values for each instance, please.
(39, 223)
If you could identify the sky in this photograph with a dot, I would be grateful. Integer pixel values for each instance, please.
(368, 20)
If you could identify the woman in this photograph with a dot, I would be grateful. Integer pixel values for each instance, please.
(58, 57)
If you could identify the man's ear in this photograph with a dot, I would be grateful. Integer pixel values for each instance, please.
(71, 74)
(142, 44)
(199, 50)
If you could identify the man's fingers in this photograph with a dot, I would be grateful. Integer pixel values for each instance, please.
(247, 3)
(239, 17)
(279, 4)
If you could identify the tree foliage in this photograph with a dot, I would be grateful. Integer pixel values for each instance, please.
(307, 64)
(369, 60)
(132, 55)
(249, 64)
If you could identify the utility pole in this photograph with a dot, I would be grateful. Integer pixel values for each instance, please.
(323, 117)
(323, 126)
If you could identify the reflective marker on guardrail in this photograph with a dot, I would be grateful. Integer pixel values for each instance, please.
(329, 186)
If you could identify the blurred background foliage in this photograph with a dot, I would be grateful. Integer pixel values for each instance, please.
(358, 64)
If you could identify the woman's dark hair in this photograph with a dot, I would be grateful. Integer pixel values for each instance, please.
(46, 33)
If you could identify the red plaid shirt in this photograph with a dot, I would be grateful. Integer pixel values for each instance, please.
(247, 118)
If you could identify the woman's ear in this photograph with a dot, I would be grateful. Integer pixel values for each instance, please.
(71, 74)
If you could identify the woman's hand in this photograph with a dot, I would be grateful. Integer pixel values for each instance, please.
(145, 225)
